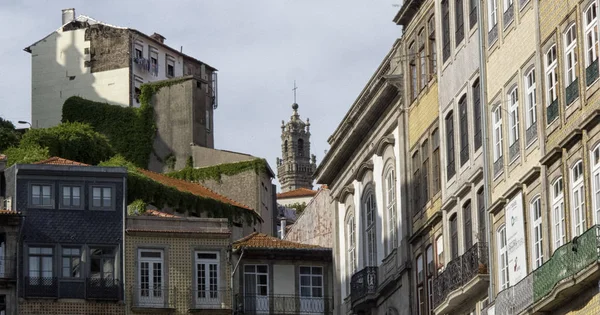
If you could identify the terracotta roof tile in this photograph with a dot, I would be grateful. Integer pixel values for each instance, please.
(264, 241)
(8, 212)
(193, 188)
(55, 160)
(300, 192)
(156, 213)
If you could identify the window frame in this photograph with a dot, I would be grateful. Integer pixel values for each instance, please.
(195, 282)
(30, 203)
(416, 170)
(413, 71)
(432, 47)
(558, 213)
(436, 162)
(537, 237)
(578, 210)
(445, 4)
(570, 54)
(424, 173)
(463, 130)
(595, 181)
(513, 119)
(439, 252)
(81, 187)
(459, 22)
(70, 258)
(40, 256)
(312, 286)
(492, 14)
(591, 33)
(423, 73)
(112, 207)
(391, 207)
(467, 211)
(531, 98)
(454, 242)
(498, 150)
(370, 228)
(351, 245)
(502, 258)
(477, 132)
(450, 150)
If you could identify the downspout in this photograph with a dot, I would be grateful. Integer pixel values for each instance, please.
(19, 243)
(233, 310)
(486, 169)
(124, 281)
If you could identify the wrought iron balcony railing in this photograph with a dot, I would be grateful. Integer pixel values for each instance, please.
(363, 283)
(155, 296)
(211, 299)
(552, 111)
(283, 304)
(498, 165)
(531, 133)
(515, 299)
(40, 287)
(514, 150)
(459, 271)
(73, 288)
(103, 289)
(591, 73)
(572, 91)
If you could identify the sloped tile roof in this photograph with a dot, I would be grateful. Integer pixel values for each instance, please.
(55, 160)
(263, 241)
(300, 192)
(193, 188)
(156, 213)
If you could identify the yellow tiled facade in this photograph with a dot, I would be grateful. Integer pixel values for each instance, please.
(179, 267)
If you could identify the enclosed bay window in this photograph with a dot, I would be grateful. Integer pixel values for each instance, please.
(390, 181)
(570, 55)
(502, 258)
(370, 214)
(450, 166)
(558, 213)
(578, 199)
(464, 130)
(595, 161)
(537, 254)
(530, 99)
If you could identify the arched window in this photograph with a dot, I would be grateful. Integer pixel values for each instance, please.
(591, 34)
(439, 247)
(558, 213)
(595, 161)
(390, 182)
(453, 237)
(502, 258)
(468, 225)
(300, 147)
(578, 199)
(370, 214)
(537, 254)
(351, 244)
(570, 55)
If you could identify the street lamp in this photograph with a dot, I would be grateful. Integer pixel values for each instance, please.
(25, 123)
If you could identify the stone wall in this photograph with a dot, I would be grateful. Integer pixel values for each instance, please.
(315, 225)
(109, 47)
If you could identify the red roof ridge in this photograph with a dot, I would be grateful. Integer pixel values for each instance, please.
(216, 196)
(299, 192)
(264, 241)
(55, 160)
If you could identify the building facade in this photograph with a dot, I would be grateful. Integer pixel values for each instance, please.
(370, 252)
(314, 226)
(297, 165)
(71, 244)
(106, 63)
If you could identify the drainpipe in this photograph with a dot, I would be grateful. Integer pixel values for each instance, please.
(233, 310)
(486, 169)
(19, 243)
(283, 226)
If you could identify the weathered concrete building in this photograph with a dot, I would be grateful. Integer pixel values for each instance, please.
(107, 63)
(314, 226)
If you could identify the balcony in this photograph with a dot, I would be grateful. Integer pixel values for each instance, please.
(572, 91)
(74, 288)
(210, 299)
(103, 289)
(283, 304)
(463, 279)
(8, 268)
(40, 287)
(552, 111)
(591, 73)
(515, 299)
(514, 150)
(153, 299)
(531, 133)
(508, 16)
(363, 288)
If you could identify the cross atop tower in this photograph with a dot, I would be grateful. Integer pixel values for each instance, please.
(294, 89)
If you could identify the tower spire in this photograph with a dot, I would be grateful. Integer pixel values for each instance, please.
(294, 89)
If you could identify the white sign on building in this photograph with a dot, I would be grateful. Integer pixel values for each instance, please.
(515, 238)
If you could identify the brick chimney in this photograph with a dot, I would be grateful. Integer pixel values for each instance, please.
(159, 38)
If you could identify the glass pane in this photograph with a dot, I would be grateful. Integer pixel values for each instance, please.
(304, 280)
(34, 266)
(76, 268)
(317, 270)
(317, 292)
(305, 291)
(317, 281)
(34, 250)
(46, 250)
(261, 269)
(96, 197)
(66, 267)
(249, 268)
(305, 270)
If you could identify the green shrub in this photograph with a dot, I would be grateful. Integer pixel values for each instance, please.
(26, 154)
(215, 172)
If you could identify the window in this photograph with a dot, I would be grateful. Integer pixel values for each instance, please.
(71, 260)
(570, 55)
(453, 237)
(300, 147)
(468, 225)
(370, 229)
(41, 196)
(170, 61)
(531, 117)
(492, 14)
(513, 121)
(416, 182)
(420, 290)
(71, 197)
(503, 257)
(422, 59)
(536, 232)
(473, 12)
(420, 300)
(311, 284)
(40, 265)
(430, 273)
(207, 278)
(508, 5)
(477, 141)
(390, 181)
(578, 202)
(102, 198)
(439, 246)
(445, 30)
(551, 75)
(420, 274)
(432, 48)
(256, 286)
(351, 241)
(591, 34)
(414, 88)
(425, 173)
(558, 213)
(450, 167)
(435, 163)
(464, 130)
(459, 21)
(153, 61)
(482, 233)
(138, 52)
(595, 161)
(207, 118)
(102, 263)
(497, 116)
(150, 289)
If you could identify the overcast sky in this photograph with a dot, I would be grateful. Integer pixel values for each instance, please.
(331, 48)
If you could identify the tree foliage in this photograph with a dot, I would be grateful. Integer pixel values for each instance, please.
(9, 137)
(215, 172)
(26, 154)
(299, 206)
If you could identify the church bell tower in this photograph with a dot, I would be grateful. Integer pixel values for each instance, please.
(296, 165)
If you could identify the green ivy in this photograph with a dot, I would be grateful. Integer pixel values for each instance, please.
(215, 172)
(137, 207)
(131, 131)
(149, 191)
(170, 161)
